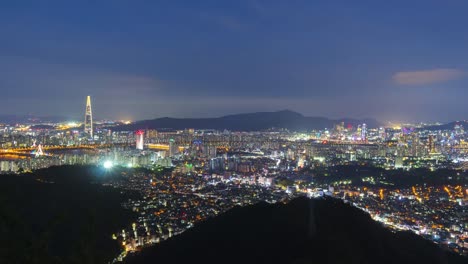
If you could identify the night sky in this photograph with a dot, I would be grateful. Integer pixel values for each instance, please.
(390, 60)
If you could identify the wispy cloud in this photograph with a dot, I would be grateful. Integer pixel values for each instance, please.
(427, 76)
(30, 78)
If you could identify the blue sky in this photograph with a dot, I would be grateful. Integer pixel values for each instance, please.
(391, 60)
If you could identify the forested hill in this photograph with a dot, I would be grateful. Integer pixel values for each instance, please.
(58, 215)
(247, 122)
(302, 231)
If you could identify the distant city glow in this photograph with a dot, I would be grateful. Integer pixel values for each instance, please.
(73, 124)
(177, 112)
(375, 167)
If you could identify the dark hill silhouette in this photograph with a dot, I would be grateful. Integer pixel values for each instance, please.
(303, 231)
(57, 215)
(246, 122)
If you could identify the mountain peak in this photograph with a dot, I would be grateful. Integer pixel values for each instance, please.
(258, 121)
(289, 112)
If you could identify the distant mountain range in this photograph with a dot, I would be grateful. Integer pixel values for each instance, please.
(302, 231)
(247, 122)
(239, 122)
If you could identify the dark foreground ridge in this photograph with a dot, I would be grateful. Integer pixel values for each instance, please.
(302, 231)
(60, 215)
(246, 122)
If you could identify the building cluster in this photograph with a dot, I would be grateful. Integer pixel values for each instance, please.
(172, 202)
(437, 213)
(212, 171)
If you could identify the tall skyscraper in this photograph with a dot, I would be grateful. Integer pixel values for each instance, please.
(364, 132)
(172, 147)
(431, 144)
(88, 122)
(139, 139)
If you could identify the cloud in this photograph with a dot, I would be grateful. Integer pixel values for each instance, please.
(30, 78)
(427, 76)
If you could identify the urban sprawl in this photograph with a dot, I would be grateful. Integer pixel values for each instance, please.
(190, 175)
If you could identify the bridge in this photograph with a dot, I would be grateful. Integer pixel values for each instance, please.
(164, 147)
(229, 144)
(47, 150)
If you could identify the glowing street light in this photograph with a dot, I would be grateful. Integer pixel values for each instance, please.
(108, 164)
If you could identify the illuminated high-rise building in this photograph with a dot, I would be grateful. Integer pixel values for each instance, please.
(211, 151)
(140, 139)
(172, 147)
(415, 146)
(382, 133)
(364, 132)
(88, 122)
(431, 144)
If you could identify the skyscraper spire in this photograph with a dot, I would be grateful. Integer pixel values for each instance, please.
(88, 123)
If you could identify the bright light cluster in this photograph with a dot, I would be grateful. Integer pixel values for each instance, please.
(108, 164)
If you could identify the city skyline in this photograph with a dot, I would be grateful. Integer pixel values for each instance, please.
(399, 61)
(127, 118)
(323, 131)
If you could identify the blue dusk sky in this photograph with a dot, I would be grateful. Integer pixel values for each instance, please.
(389, 60)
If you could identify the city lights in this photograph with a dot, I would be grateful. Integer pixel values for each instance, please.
(125, 124)
(108, 164)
